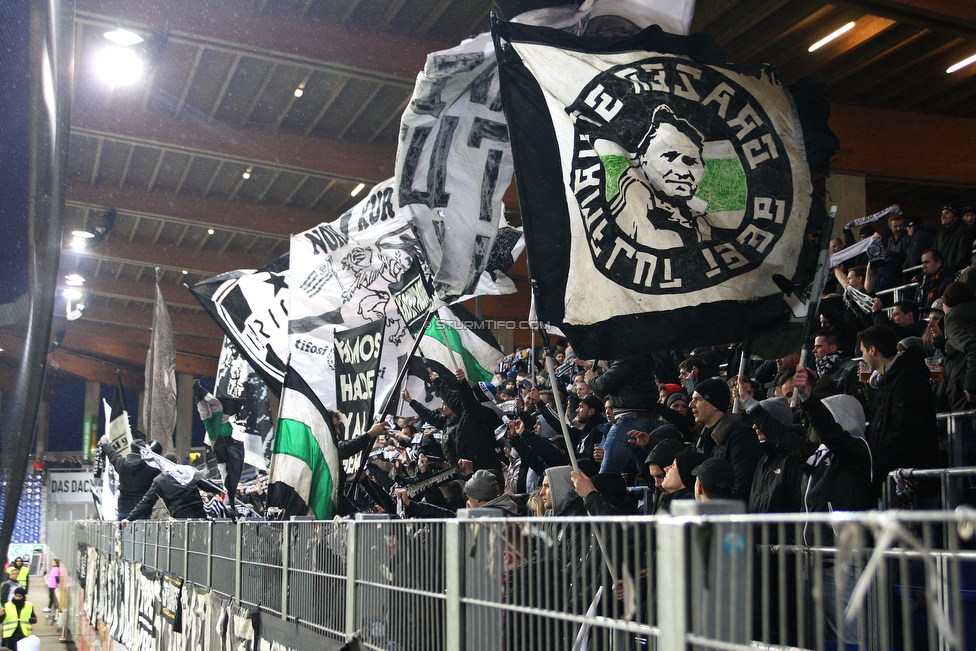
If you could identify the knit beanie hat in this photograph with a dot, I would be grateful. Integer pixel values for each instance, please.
(671, 388)
(481, 486)
(674, 397)
(715, 392)
(958, 293)
(663, 453)
(485, 392)
(687, 461)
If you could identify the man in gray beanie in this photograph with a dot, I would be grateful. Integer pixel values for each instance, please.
(480, 489)
(724, 435)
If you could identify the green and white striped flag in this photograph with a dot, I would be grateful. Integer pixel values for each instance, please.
(304, 476)
(474, 346)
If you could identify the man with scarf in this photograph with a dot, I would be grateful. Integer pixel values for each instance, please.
(18, 617)
(839, 374)
(935, 278)
(216, 412)
(177, 485)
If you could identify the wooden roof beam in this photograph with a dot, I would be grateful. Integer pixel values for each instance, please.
(917, 147)
(134, 353)
(233, 23)
(193, 345)
(193, 325)
(139, 290)
(957, 17)
(171, 258)
(272, 221)
(154, 128)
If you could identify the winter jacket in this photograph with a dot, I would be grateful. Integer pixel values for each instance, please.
(841, 478)
(135, 477)
(776, 483)
(629, 383)
(736, 442)
(183, 500)
(922, 239)
(471, 435)
(960, 351)
(955, 243)
(903, 433)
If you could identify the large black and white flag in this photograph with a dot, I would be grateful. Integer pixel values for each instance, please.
(662, 190)
(251, 307)
(454, 164)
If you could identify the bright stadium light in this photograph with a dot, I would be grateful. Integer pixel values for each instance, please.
(829, 37)
(962, 64)
(74, 280)
(118, 66)
(356, 190)
(123, 37)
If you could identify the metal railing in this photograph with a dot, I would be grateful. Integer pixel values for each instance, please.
(878, 580)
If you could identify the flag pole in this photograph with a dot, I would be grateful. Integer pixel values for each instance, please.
(532, 355)
(816, 291)
(401, 375)
(744, 350)
(560, 412)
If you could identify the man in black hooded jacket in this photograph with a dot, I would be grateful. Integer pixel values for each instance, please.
(903, 432)
(178, 488)
(135, 475)
(468, 425)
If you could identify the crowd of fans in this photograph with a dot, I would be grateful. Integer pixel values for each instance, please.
(55, 463)
(866, 402)
(653, 428)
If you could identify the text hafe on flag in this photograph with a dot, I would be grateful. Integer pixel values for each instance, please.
(661, 190)
(341, 277)
(304, 474)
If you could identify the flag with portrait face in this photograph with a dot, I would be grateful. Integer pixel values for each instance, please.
(666, 196)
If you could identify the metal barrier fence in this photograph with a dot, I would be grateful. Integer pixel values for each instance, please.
(877, 580)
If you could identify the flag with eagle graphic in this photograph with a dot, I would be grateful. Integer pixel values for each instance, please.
(666, 195)
(346, 339)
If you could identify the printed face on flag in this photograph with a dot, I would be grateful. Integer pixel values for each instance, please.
(660, 187)
(680, 177)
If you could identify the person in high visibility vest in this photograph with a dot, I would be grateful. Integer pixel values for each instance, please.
(18, 616)
(23, 573)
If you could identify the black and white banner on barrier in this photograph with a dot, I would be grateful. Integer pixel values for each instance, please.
(171, 587)
(660, 188)
(148, 597)
(454, 164)
(357, 361)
